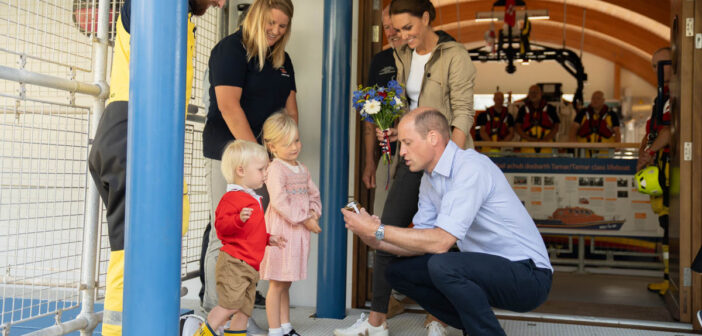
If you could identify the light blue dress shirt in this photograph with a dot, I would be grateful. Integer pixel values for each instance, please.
(468, 196)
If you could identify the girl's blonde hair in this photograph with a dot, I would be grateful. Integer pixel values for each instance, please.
(237, 154)
(254, 31)
(279, 128)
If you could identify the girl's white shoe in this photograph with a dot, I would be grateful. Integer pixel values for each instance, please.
(362, 327)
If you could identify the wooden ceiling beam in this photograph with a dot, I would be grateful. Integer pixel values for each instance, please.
(657, 10)
(604, 23)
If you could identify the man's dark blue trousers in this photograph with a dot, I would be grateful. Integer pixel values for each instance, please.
(459, 288)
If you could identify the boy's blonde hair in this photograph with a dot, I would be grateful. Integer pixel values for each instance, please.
(254, 32)
(279, 128)
(237, 154)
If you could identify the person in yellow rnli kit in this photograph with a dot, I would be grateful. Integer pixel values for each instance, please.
(108, 155)
(655, 151)
(596, 123)
(496, 124)
(537, 121)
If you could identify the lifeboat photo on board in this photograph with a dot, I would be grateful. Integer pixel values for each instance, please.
(578, 218)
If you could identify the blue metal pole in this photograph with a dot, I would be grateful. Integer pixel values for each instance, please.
(334, 174)
(155, 167)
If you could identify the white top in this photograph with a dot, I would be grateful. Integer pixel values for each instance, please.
(468, 196)
(295, 169)
(416, 75)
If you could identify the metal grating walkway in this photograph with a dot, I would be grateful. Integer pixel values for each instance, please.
(410, 324)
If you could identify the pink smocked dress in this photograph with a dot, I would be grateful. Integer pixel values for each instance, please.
(292, 196)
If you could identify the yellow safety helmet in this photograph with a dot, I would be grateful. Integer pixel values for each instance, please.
(647, 181)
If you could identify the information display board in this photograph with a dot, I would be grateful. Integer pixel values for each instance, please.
(576, 196)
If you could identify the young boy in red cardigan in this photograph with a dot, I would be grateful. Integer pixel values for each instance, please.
(241, 227)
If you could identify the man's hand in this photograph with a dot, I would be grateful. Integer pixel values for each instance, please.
(392, 135)
(245, 214)
(278, 241)
(362, 224)
(645, 160)
(369, 175)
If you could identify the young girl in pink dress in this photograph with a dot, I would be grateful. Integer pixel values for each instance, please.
(293, 212)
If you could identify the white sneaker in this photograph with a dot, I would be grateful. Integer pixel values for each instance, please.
(436, 329)
(362, 327)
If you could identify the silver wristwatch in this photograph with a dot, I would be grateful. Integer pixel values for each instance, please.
(380, 233)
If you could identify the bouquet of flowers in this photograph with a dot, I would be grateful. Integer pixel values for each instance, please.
(381, 106)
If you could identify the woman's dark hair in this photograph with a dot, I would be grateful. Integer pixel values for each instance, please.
(413, 7)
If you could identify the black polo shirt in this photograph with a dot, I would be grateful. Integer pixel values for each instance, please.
(263, 93)
(382, 68)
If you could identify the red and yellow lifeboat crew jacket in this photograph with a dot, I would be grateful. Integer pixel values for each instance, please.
(537, 122)
(596, 126)
(497, 125)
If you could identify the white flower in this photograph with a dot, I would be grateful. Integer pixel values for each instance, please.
(398, 103)
(371, 106)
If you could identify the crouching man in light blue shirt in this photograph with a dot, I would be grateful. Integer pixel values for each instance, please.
(464, 199)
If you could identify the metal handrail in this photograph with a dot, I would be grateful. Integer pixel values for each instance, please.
(586, 145)
(29, 77)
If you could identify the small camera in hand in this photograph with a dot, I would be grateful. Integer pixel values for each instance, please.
(353, 206)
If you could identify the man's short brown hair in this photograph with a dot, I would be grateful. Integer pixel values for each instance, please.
(431, 120)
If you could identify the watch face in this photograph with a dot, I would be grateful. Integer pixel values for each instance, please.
(380, 233)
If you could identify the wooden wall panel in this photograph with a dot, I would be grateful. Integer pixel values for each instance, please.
(696, 165)
(368, 16)
(685, 233)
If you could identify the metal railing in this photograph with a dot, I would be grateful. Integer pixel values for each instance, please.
(53, 84)
(622, 150)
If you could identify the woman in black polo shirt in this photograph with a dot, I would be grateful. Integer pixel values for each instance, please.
(251, 77)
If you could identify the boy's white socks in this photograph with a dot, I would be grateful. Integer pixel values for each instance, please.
(275, 332)
(287, 327)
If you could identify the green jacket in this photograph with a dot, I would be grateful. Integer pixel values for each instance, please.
(448, 82)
